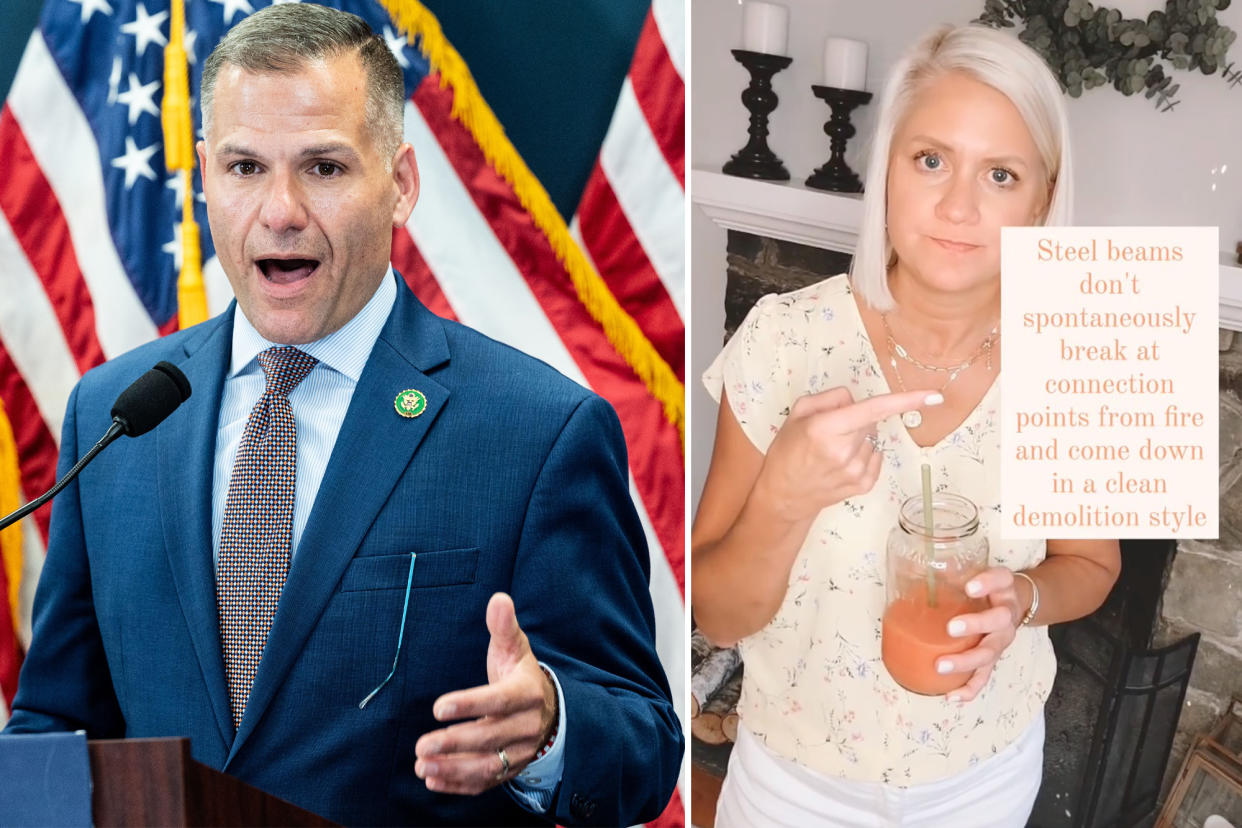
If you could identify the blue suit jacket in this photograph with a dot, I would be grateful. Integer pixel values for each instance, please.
(514, 479)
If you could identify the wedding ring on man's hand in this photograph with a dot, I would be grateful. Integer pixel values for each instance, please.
(873, 441)
(504, 765)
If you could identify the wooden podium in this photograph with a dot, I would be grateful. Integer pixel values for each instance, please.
(155, 782)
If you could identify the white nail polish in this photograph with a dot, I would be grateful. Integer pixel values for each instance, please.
(944, 667)
(934, 398)
(974, 589)
(957, 626)
(955, 698)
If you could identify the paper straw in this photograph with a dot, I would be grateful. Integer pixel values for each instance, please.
(929, 527)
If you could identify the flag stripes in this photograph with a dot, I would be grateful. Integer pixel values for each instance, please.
(36, 446)
(413, 267)
(488, 298)
(631, 219)
(660, 93)
(651, 196)
(39, 228)
(608, 237)
(63, 145)
(32, 334)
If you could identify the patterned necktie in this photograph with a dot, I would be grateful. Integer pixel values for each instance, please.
(258, 523)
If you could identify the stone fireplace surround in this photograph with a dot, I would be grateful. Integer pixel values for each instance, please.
(782, 237)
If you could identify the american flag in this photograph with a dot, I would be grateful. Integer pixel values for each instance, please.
(90, 246)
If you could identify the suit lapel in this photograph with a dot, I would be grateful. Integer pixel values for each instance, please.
(372, 451)
(184, 481)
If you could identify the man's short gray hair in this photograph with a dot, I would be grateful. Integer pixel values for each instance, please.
(284, 38)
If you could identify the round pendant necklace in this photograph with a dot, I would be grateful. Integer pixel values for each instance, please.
(914, 419)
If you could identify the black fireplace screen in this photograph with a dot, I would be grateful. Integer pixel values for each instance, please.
(1129, 701)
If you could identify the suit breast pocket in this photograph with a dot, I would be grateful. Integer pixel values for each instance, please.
(439, 568)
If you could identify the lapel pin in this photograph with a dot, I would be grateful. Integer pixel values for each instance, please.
(410, 403)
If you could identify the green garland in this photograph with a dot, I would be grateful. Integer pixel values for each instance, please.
(1087, 46)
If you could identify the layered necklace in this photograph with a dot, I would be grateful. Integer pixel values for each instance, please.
(913, 419)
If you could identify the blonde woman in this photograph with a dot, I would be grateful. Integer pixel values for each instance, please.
(832, 397)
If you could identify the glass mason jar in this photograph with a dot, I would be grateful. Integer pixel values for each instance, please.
(926, 588)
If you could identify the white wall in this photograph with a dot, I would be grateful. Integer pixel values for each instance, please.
(707, 252)
(1134, 165)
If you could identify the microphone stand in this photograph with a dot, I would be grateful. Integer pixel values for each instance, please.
(115, 430)
(140, 407)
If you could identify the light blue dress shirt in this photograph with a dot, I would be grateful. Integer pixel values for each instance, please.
(319, 403)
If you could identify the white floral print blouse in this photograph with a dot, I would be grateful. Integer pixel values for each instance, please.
(815, 689)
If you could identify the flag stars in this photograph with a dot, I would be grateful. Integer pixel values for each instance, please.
(174, 247)
(139, 98)
(190, 38)
(396, 45)
(176, 183)
(232, 7)
(89, 7)
(114, 79)
(146, 29)
(136, 162)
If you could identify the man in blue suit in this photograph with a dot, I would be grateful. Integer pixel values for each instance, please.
(320, 561)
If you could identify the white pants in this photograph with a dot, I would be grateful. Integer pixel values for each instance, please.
(762, 789)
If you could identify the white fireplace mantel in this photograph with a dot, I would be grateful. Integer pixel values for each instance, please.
(789, 212)
(796, 213)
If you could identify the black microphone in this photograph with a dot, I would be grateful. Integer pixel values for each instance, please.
(150, 398)
(139, 408)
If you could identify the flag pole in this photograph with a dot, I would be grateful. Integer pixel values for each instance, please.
(10, 500)
(179, 159)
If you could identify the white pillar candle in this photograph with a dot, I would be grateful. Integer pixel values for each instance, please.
(765, 28)
(845, 63)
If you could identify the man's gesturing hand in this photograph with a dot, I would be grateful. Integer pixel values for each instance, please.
(514, 712)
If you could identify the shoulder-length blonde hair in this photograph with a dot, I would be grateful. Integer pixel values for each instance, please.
(1003, 63)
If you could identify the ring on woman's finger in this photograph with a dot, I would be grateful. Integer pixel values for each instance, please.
(873, 441)
(504, 765)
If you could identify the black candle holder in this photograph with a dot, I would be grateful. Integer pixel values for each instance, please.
(836, 174)
(756, 160)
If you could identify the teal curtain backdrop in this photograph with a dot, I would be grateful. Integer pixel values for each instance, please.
(551, 70)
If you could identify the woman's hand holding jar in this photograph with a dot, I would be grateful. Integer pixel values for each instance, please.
(998, 625)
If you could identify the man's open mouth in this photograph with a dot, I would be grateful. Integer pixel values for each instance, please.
(286, 271)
